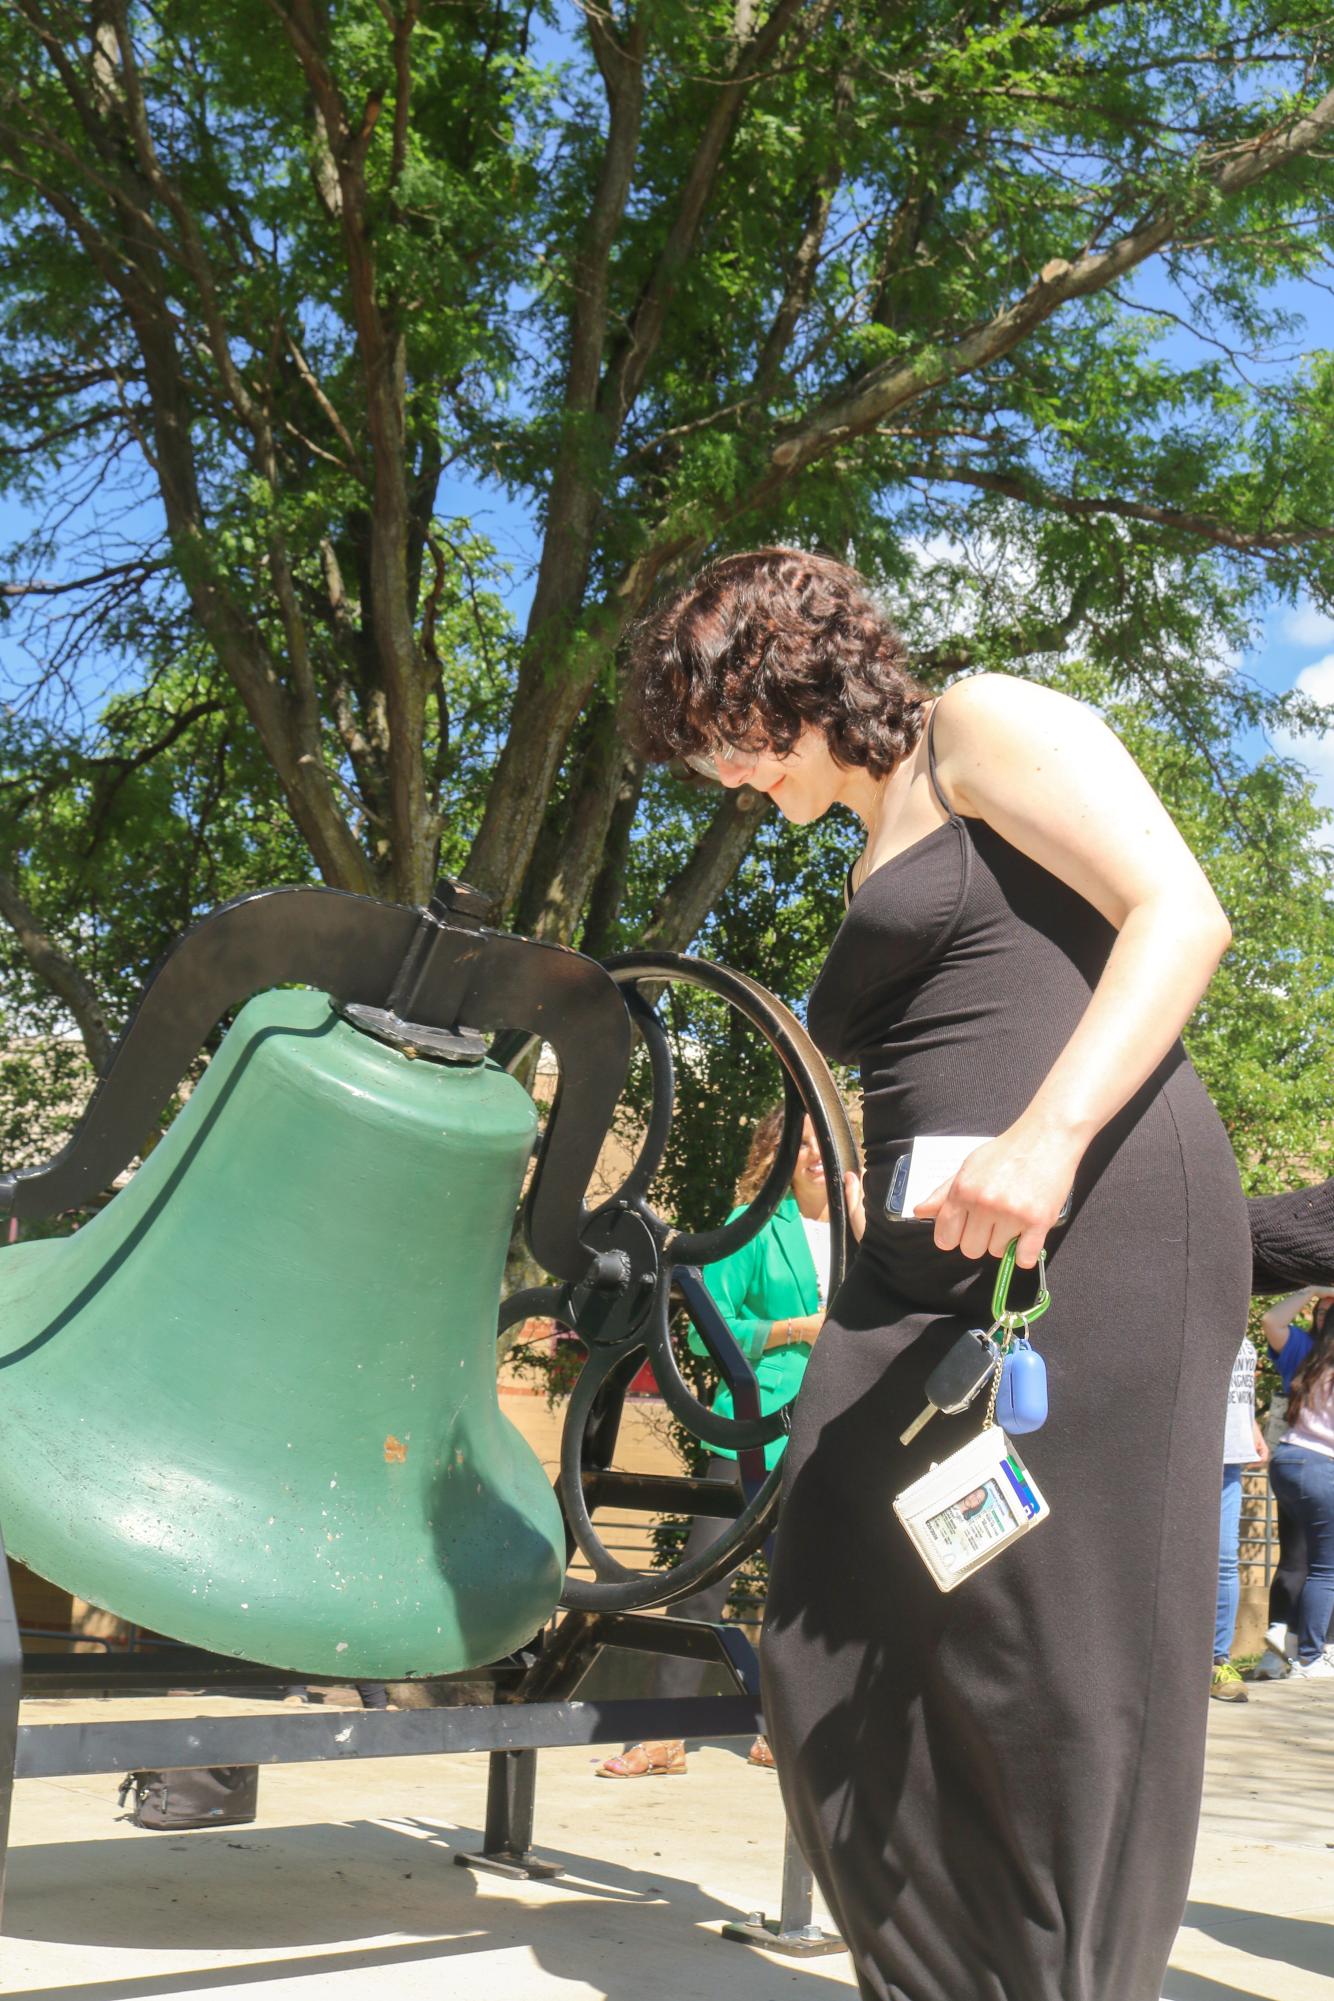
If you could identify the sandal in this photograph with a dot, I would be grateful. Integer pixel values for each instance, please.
(646, 1761)
(761, 1755)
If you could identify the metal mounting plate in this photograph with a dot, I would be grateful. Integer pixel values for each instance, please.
(415, 1038)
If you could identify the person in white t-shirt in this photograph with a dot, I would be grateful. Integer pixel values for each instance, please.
(1243, 1446)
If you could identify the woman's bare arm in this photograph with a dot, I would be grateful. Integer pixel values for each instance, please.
(1277, 1321)
(1050, 777)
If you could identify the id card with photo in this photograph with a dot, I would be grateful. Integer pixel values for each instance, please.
(970, 1507)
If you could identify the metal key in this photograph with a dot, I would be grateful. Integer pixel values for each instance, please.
(956, 1379)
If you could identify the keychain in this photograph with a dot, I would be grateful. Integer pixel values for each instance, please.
(971, 1506)
(1019, 1389)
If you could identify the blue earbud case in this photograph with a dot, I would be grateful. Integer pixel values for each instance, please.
(1021, 1400)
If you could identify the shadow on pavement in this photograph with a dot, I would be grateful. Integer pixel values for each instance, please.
(1306, 1943)
(285, 1889)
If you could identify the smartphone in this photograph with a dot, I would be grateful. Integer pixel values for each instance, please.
(931, 1159)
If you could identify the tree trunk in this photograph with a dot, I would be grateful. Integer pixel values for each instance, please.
(608, 892)
(555, 904)
(693, 891)
(546, 707)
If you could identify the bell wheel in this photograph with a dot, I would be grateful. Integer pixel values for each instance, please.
(644, 1289)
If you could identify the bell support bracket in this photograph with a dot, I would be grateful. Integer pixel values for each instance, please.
(433, 969)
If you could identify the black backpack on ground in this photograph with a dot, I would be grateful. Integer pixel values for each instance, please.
(190, 1796)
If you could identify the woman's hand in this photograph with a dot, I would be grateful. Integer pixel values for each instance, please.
(1014, 1186)
(801, 1327)
(855, 1197)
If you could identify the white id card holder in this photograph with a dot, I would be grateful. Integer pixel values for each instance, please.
(970, 1507)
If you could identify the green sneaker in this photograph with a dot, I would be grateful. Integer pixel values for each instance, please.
(1227, 1684)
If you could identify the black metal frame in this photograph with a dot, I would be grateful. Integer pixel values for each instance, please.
(532, 1708)
(434, 979)
(644, 1268)
(437, 968)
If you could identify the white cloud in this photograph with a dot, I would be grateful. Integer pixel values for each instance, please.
(936, 549)
(1307, 625)
(1315, 752)
(1317, 681)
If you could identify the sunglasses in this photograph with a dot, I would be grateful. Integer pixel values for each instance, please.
(712, 764)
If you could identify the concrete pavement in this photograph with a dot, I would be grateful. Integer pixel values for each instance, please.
(345, 1889)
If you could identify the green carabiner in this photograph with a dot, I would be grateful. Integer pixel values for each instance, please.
(1001, 1314)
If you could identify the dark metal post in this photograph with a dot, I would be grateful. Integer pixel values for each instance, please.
(11, 1685)
(511, 1788)
(511, 1779)
(794, 1931)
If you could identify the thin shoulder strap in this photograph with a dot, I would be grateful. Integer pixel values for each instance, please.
(931, 758)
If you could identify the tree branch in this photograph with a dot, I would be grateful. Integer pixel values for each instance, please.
(550, 698)
(951, 656)
(1211, 527)
(121, 765)
(381, 351)
(139, 569)
(805, 261)
(629, 364)
(894, 385)
(326, 408)
(608, 891)
(194, 255)
(130, 263)
(567, 857)
(57, 971)
(891, 385)
(402, 30)
(622, 71)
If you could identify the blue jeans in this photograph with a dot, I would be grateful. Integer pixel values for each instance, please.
(1303, 1482)
(1229, 1587)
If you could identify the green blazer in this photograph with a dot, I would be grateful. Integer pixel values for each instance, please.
(770, 1278)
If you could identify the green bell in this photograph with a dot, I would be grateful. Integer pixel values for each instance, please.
(252, 1404)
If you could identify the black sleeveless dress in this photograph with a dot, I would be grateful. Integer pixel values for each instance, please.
(998, 1788)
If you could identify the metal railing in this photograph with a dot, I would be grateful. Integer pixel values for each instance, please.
(1258, 1544)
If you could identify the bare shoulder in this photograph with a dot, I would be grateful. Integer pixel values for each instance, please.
(983, 702)
(1047, 773)
(997, 733)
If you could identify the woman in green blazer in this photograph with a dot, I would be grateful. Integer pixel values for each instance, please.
(772, 1294)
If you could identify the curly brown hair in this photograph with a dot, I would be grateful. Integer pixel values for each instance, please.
(761, 645)
(760, 1155)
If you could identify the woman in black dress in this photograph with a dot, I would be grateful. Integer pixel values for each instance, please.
(997, 1789)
